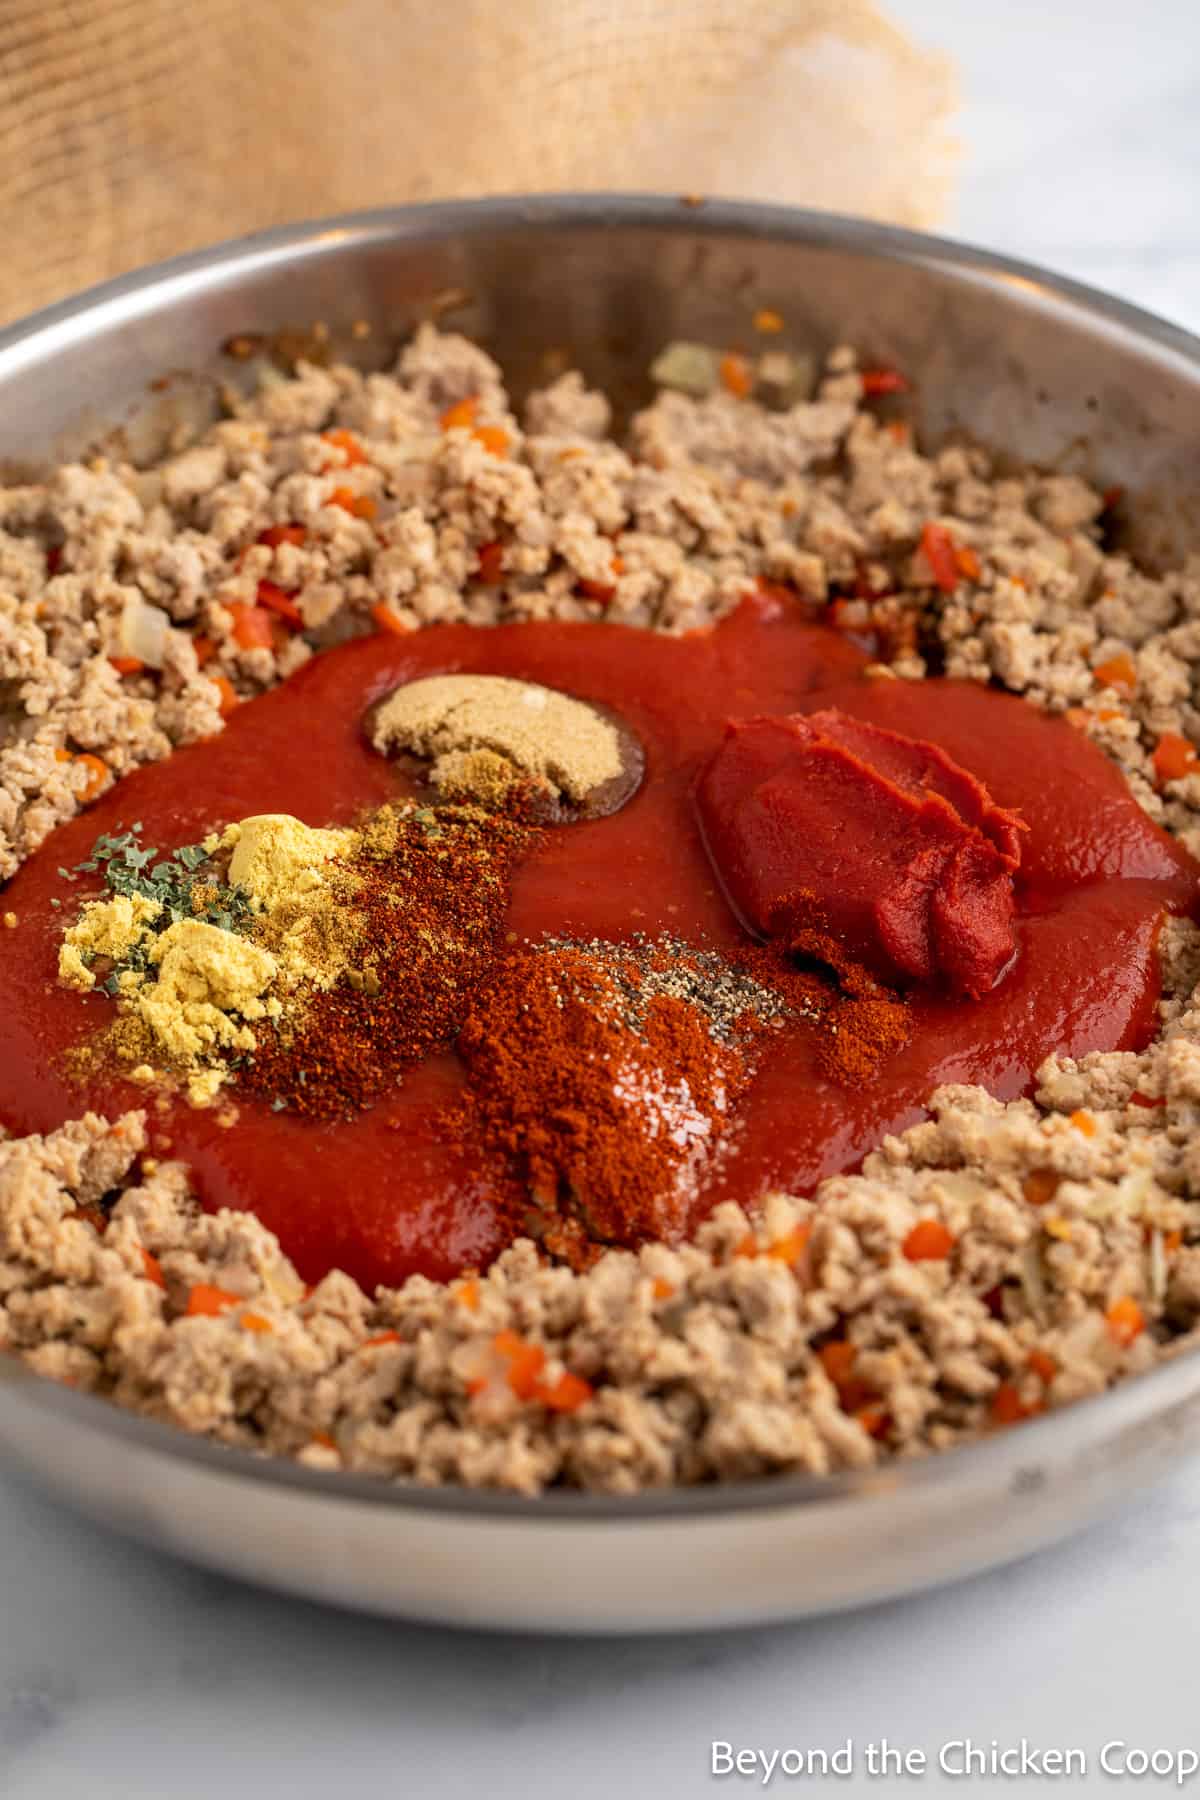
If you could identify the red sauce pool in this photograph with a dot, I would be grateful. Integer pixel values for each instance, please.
(384, 1196)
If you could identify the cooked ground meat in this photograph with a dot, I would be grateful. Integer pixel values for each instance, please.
(1075, 1216)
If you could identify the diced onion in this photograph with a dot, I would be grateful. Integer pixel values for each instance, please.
(143, 632)
(688, 368)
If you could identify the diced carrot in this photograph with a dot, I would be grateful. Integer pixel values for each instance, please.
(525, 1363)
(127, 665)
(747, 1246)
(348, 444)
(387, 620)
(883, 381)
(838, 1358)
(1118, 672)
(494, 439)
(205, 648)
(1172, 1241)
(1084, 1122)
(899, 430)
(1148, 1101)
(1043, 1365)
(790, 1248)
(735, 373)
(278, 600)
(1078, 717)
(928, 1241)
(381, 1337)
(768, 322)
(208, 1302)
(94, 1216)
(1007, 1406)
(1125, 1320)
(97, 774)
(359, 506)
(663, 1289)
(873, 1418)
(968, 562)
(251, 626)
(467, 1294)
(565, 1395)
(1040, 1187)
(61, 755)
(491, 563)
(252, 1321)
(940, 552)
(324, 1440)
(274, 535)
(602, 591)
(1174, 757)
(225, 688)
(461, 416)
(152, 1268)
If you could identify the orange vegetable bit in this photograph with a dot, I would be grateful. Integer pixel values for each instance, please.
(491, 563)
(225, 688)
(1040, 1187)
(566, 1395)
(1174, 757)
(1172, 1241)
(252, 1321)
(205, 648)
(747, 1246)
(968, 563)
(359, 506)
(525, 1363)
(768, 321)
(838, 1358)
(1007, 1407)
(208, 1302)
(348, 444)
(278, 600)
(251, 626)
(387, 620)
(467, 1294)
(883, 381)
(381, 1337)
(1084, 1122)
(127, 665)
(790, 1248)
(460, 416)
(1150, 1102)
(662, 1288)
(98, 773)
(274, 535)
(873, 1418)
(152, 1268)
(494, 439)
(1118, 672)
(736, 375)
(1125, 1320)
(928, 1241)
(941, 553)
(323, 1439)
(94, 1216)
(602, 591)
(1043, 1365)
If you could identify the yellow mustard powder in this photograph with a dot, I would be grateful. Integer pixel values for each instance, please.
(105, 928)
(277, 858)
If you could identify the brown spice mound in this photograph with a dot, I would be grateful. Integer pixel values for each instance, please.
(603, 1092)
(430, 893)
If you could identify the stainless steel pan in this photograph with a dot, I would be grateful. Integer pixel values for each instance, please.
(1041, 368)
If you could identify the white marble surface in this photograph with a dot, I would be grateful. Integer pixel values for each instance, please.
(127, 1677)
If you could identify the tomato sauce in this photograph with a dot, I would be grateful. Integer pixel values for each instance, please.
(386, 1194)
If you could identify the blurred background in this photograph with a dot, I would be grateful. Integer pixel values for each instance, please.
(134, 129)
